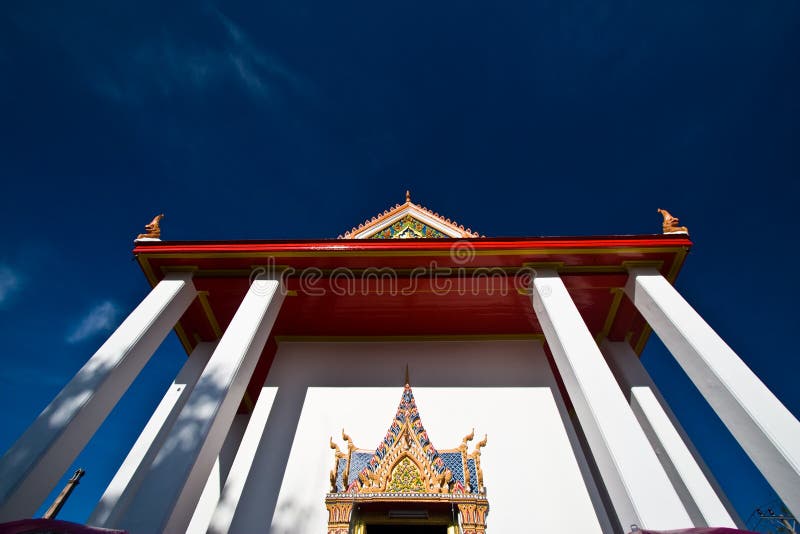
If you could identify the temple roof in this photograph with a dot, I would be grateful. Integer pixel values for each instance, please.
(408, 220)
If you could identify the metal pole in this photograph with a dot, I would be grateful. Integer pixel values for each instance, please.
(52, 512)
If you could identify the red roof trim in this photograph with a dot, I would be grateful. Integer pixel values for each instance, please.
(359, 245)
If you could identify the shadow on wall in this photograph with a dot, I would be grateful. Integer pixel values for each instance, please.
(300, 515)
(431, 364)
(300, 366)
(256, 505)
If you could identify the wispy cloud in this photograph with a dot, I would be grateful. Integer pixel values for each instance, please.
(256, 67)
(9, 282)
(101, 318)
(173, 64)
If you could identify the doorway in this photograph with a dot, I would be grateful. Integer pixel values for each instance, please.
(405, 518)
(406, 529)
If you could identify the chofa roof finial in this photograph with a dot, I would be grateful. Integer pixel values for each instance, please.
(153, 229)
(408, 195)
(670, 225)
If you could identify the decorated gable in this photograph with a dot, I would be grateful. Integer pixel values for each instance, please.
(408, 221)
(406, 461)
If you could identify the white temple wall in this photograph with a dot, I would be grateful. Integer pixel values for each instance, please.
(533, 468)
(219, 473)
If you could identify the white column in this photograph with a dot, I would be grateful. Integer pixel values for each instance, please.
(637, 484)
(130, 474)
(246, 456)
(169, 493)
(34, 464)
(698, 494)
(217, 478)
(764, 427)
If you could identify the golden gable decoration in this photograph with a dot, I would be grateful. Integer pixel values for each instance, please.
(409, 221)
(407, 468)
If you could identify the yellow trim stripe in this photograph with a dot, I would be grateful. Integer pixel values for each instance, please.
(184, 339)
(202, 296)
(612, 313)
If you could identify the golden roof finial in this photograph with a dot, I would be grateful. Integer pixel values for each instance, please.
(469, 437)
(408, 195)
(482, 443)
(334, 446)
(153, 229)
(350, 446)
(408, 381)
(670, 225)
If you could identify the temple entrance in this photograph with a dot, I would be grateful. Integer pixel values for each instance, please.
(406, 485)
(406, 529)
(405, 518)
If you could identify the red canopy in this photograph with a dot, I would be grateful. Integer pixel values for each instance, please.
(52, 526)
(705, 530)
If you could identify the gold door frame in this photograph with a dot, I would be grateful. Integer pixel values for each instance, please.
(342, 514)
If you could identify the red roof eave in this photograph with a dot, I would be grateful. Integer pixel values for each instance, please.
(356, 245)
(591, 266)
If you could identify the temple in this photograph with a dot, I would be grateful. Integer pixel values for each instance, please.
(530, 343)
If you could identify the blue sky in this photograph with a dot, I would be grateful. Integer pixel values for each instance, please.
(295, 120)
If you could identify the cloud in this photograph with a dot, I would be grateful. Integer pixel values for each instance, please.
(174, 63)
(256, 67)
(9, 282)
(101, 318)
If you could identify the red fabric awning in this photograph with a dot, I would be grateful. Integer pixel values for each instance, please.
(704, 530)
(52, 526)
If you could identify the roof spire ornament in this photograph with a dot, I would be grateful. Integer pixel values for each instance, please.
(152, 230)
(408, 195)
(670, 225)
(408, 382)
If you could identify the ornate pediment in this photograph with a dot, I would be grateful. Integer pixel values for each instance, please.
(406, 467)
(408, 228)
(408, 221)
(406, 462)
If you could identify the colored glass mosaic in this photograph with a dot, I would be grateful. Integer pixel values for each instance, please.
(408, 228)
(406, 478)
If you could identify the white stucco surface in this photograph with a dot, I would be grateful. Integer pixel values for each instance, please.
(501, 388)
(767, 431)
(126, 481)
(32, 466)
(681, 462)
(209, 499)
(637, 484)
(173, 484)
